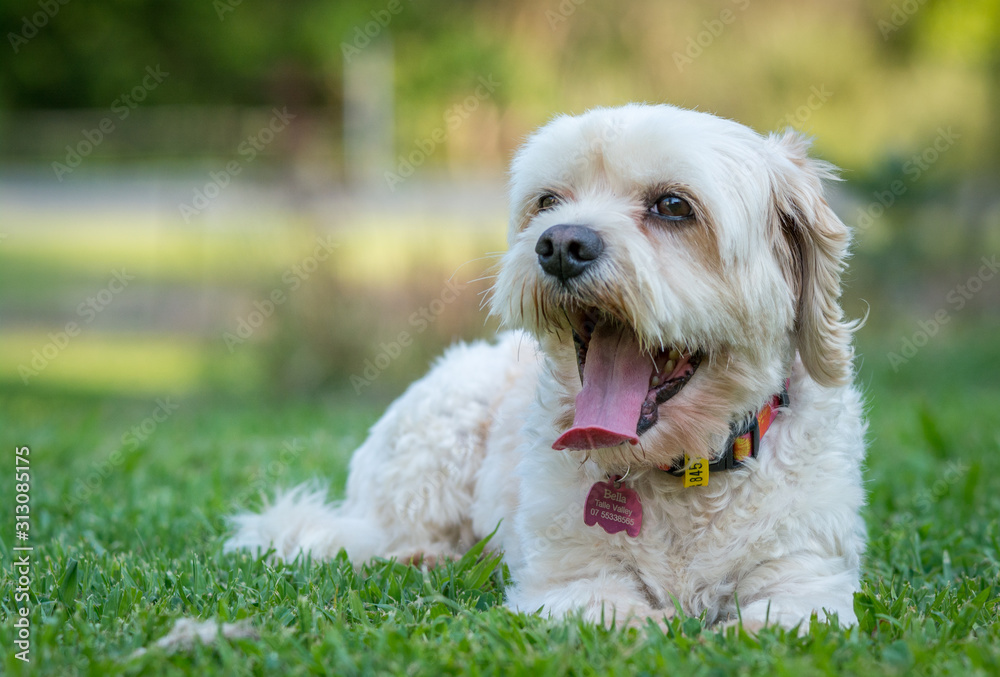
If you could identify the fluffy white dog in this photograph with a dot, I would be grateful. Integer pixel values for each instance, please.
(675, 426)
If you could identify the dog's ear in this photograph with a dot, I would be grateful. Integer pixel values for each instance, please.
(812, 245)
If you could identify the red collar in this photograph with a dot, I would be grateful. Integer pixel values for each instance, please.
(743, 443)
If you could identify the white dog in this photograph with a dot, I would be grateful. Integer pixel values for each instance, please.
(675, 427)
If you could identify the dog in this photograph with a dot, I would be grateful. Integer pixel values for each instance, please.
(668, 423)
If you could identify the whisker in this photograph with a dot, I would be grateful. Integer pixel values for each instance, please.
(523, 284)
(486, 299)
(478, 258)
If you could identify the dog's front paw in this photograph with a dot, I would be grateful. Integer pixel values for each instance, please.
(640, 619)
(749, 626)
(428, 559)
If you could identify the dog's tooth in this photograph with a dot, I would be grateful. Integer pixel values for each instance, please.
(674, 354)
(655, 381)
(669, 366)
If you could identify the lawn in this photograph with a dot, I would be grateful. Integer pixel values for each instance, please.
(127, 521)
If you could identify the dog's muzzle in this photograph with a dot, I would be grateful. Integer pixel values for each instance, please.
(623, 382)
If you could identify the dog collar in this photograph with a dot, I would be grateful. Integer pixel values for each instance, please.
(743, 443)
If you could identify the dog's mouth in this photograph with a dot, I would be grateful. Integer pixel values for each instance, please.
(623, 383)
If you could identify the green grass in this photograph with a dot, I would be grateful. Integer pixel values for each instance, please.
(127, 518)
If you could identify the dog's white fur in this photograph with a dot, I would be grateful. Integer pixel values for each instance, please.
(753, 282)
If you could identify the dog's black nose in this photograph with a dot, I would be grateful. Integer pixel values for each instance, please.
(565, 251)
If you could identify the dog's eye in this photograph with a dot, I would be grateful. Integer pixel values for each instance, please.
(672, 207)
(547, 201)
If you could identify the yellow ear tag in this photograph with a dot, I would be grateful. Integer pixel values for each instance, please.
(695, 472)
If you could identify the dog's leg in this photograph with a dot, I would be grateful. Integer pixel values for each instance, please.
(610, 597)
(411, 484)
(788, 592)
(560, 565)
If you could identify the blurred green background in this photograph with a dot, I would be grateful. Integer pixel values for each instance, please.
(224, 198)
(232, 232)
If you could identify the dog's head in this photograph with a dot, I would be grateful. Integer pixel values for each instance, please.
(671, 263)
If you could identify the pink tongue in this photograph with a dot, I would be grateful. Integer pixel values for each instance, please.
(615, 384)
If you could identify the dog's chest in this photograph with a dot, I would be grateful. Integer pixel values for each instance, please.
(698, 538)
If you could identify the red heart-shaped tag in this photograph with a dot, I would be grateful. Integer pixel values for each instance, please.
(614, 508)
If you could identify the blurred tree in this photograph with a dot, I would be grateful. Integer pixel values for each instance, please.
(896, 68)
(85, 54)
